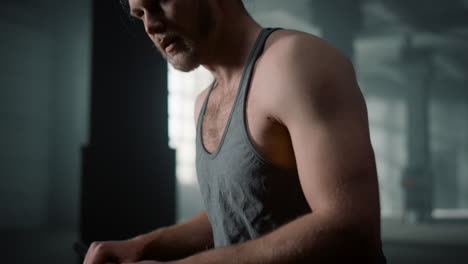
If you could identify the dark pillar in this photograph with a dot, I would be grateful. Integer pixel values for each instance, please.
(339, 21)
(128, 177)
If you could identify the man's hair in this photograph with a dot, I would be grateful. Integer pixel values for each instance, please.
(124, 4)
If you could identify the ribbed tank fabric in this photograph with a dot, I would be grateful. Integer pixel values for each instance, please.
(245, 194)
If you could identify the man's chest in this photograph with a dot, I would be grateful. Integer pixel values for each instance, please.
(268, 137)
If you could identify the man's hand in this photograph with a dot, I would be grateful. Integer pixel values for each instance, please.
(179, 241)
(114, 252)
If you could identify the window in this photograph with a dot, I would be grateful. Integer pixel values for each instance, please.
(183, 89)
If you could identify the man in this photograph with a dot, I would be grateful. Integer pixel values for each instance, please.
(284, 159)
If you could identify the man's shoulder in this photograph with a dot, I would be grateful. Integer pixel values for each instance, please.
(295, 54)
(292, 56)
(283, 37)
(299, 47)
(301, 65)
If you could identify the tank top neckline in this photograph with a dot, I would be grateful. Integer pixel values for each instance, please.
(242, 84)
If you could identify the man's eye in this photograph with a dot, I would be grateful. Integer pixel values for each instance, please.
(139, 14)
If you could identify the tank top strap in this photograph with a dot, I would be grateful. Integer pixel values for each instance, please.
(247, 72)
(256, 52)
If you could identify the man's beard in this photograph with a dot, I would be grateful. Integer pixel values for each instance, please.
(185, 56)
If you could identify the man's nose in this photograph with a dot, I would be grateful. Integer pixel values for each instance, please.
(153, 25)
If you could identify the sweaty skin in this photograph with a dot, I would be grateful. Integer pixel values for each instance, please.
(304, 110)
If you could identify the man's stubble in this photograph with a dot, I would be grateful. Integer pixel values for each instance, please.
(187, 53)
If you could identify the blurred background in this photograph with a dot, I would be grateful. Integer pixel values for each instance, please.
(97, 131)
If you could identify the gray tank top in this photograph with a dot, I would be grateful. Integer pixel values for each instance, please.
(245, 194)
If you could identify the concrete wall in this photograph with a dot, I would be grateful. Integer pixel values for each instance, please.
(72, 78)
(25, 99)
(44, 81)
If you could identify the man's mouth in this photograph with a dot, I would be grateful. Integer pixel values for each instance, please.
(168, 44)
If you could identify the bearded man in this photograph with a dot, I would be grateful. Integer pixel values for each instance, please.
(284, 159)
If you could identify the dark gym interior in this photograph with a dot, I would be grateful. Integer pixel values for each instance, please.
(84, 152)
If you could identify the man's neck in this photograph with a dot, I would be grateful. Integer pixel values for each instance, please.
(228, 54)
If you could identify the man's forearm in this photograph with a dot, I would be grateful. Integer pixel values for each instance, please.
(178, 241)
(309, 239)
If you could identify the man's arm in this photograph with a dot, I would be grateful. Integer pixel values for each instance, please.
(324, 111)
(187, 238)
(178, 241)
(167, 243)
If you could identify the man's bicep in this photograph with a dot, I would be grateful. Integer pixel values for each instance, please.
(327, 122)
(335, 164)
